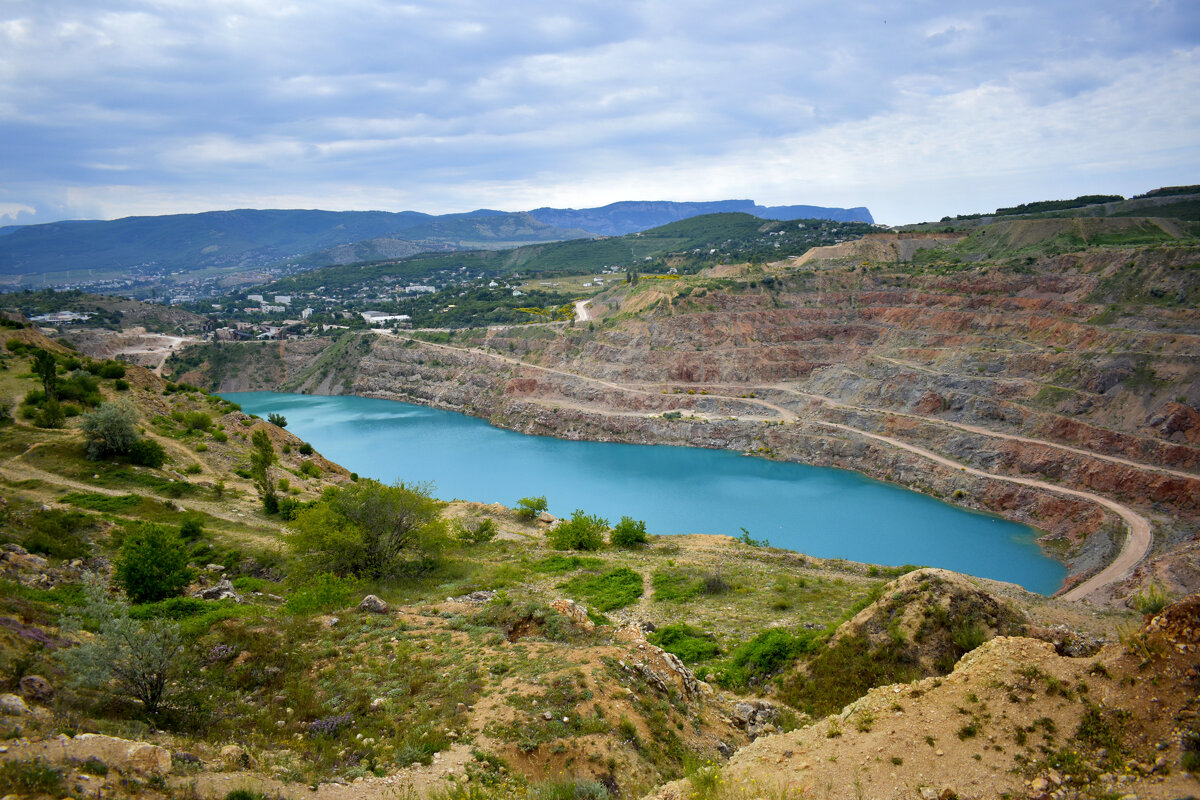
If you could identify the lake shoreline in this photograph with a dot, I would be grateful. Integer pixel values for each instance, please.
(730, 456)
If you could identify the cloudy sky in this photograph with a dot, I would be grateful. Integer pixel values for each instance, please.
(111, 108)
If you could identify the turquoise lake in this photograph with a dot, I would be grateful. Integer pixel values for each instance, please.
(827, 513)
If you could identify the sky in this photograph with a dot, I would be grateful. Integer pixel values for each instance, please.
(114, 108)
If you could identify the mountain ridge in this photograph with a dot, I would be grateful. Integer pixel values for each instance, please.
(258, 238)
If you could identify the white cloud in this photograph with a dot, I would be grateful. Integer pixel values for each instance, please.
(459, 104)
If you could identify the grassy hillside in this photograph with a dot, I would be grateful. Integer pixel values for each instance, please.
(689, 245)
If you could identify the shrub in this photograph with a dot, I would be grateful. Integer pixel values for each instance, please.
(765, 655)
(197, 421)
(690, 644)
(57, 533)
(1151, 600)
(629, 533)
(50, 415)
(147, 453)
(369, 529)
(476, 531)
(324, 592)
(133, 657)
(220, 436)
(121, 385)
(192, 527)
(528, 508)
(306, 449)
(581, 532)
(112, 369)
(153, 564)
(277, 419)
(310, 469)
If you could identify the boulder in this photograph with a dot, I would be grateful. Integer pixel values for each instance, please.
(234, 757)
(13, 705)
(574, 612)
(374, 605)
(36, 689)
(222, 590)
(122, 754)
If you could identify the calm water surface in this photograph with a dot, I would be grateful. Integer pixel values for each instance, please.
(827, 513)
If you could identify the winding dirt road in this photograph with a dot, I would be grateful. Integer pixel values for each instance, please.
(1133, 550)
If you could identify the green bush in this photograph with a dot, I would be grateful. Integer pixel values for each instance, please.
(324, 592)
(615, 589)
(306, 449)
(50, 415)
(528, 508)
(690, 644)
(476, 531)
(629, 533)
(197, 421)
(121, 385)
(310, 469)
(581, 532)
(765, 655)
(147, 453)
(132, 657)
(369, 529)
(277, 419)
(58, 534)
(112, 370)
(153, 564)
(220, 436)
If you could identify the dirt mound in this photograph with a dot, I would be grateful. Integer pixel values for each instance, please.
(1013, 719)
(921, 625)
(880, 247)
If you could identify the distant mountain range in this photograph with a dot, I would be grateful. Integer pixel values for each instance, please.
(73, 251)
(631, 216)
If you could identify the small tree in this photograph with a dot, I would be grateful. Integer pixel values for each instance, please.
(629, 533)
(153, 564)
(136, 658)
(46, 367)
(369, 529)
(147, 453)
(50, 415)
(528, 508)
(111, 430)
(262, 456)
(277, 419)
(581, 532)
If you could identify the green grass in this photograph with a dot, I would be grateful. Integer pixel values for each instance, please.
(690, 644)
(612, 590)
(676, 586)
(31, 778)
(115, 504)
(558, 564)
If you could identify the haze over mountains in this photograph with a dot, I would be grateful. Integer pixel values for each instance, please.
(251, 238)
